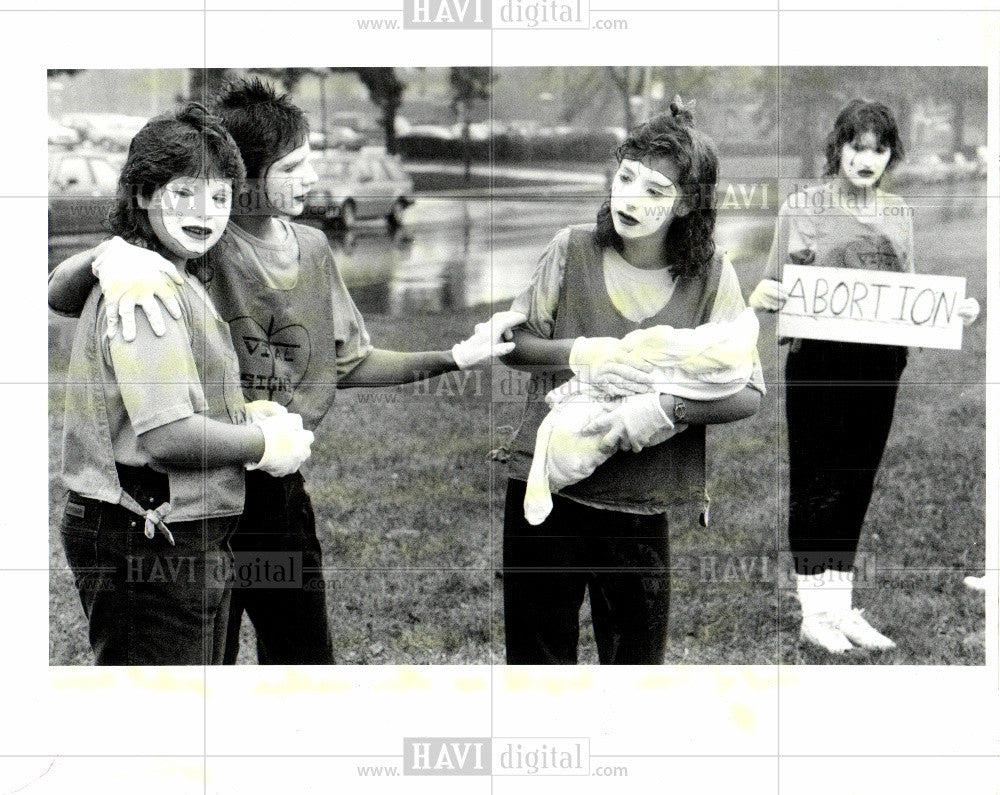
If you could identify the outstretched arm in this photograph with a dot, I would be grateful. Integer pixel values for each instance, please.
(388, 368)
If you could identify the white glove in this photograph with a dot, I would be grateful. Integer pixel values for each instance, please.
(258, 410)
(968, 310)
(606, 361)
(286, 444)
(638, 422)
(488, 340)
(768, 295)
(130, 275)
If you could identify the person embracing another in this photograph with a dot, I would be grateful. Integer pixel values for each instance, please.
(298, 335)
(649, 261)
(156, 435)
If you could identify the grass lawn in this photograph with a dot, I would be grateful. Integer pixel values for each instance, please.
(409, 511)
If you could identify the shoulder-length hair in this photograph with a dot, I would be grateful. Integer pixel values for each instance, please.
(190, 142)
(689, 245)
(858, 117)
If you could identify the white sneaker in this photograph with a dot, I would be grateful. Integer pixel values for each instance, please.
(859, 631)
(823, 630)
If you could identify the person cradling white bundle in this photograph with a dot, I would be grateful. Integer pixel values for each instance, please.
(708, 362)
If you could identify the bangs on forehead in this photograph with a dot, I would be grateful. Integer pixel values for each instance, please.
(293, 144)
(664, 149)
(869, 120)
(204, 163)
(659, 170)
(882, 136)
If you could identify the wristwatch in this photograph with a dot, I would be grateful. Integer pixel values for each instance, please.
(680, 411)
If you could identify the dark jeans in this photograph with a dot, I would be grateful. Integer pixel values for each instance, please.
(149, 603)
(621, 558)
(840, 399)
(291, 623)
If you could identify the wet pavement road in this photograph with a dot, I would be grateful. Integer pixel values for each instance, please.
(454, 252)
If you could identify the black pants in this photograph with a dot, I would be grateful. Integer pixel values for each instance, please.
(621, 558)
(147, 602)
(277, 532)
(840, 399)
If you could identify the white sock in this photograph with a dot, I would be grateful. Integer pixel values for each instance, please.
(813, 594)
(827, 592)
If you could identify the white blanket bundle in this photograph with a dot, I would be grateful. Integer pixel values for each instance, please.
(709, 362)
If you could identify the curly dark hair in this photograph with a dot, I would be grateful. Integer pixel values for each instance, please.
(265, 125)
(858, 117)
(689, 246)
(190, 142)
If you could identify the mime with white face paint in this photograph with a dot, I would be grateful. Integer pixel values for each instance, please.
(650, 260)
(155, 432)
(840, 396)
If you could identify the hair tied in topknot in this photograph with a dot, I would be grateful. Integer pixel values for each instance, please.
(682, 110)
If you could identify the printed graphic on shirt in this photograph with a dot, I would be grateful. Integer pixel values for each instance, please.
(273, 361)
(870, 252)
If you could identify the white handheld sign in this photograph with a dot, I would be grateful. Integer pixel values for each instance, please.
(883, 307)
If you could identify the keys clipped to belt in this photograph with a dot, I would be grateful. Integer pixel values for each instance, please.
(154, 518)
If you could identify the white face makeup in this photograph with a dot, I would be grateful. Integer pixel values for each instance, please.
(863, 161)
(189, 214)
(643, 200)
(288, 180)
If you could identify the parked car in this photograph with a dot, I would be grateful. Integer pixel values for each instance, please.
(336, 138)
(357, 185)
(112, 131)
(478, 131)
(62, 136)
(82, 188)
(115, 132)
(431, 131)
(362, 123)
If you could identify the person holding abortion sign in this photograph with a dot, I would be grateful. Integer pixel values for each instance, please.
(840, 396)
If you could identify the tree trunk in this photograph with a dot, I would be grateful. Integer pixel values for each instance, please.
(624, 85)
(903, 106)
(958, 124)
(806, 143)
(206, 84)
(389, 128)
(322, 111)
(463, 118)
